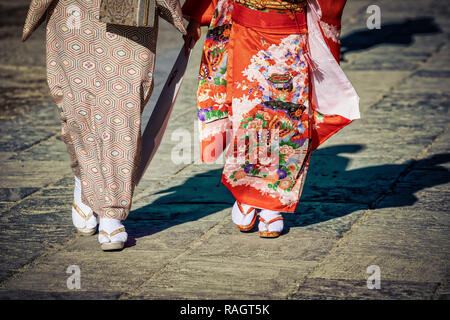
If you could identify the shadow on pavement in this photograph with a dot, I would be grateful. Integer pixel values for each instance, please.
(394, 33)
(330, 192)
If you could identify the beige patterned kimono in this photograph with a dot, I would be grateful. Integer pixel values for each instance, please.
(101, 77)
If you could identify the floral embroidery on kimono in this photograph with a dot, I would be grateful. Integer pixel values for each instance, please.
(256, 97)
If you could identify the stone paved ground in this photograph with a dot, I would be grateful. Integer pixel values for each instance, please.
(377, 193)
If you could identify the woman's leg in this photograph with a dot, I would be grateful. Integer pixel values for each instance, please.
(100, 76)
(271, 116)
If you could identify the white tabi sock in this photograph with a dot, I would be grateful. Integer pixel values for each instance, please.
(267, 215)
(77, 219)
(242, 219)
(109, 225)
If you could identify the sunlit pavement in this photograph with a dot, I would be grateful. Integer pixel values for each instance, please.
(373, 221)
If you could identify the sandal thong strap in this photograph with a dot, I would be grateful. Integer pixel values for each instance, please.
(81, 213)
(242, 209)
(112, 234)
(270, 221)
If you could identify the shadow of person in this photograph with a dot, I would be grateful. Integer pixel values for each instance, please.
(400, 33)
(331, 191)
(199, 196)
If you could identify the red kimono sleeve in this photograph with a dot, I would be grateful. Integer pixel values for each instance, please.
(331, 14)
(199, 10)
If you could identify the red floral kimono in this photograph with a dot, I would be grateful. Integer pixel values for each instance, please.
(255, 96)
